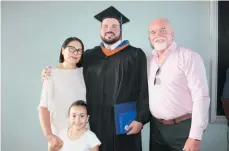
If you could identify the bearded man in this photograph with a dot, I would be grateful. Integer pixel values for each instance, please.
(178, 92)
(115, 72)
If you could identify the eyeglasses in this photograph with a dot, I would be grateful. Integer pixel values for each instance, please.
(73, 50)
(157, 79)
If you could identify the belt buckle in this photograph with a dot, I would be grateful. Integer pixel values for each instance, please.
(167, 122)
(161, 120)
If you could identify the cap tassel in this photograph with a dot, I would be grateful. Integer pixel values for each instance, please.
(121, 27)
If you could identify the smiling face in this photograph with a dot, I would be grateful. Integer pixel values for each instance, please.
(78, 116)
(110, 31)
(160, 34)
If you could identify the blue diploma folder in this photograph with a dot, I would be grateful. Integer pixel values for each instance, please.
(125, 113)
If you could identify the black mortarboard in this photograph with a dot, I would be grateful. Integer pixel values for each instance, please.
(112, 12)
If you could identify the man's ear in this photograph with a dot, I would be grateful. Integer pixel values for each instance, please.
(173, 35)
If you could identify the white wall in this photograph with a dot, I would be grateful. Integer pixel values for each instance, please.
(32, 34)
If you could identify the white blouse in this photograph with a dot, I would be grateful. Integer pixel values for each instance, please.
(63, 87)
(87, 141)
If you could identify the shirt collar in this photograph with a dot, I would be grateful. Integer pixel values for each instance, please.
(113, 46)
(171, 48)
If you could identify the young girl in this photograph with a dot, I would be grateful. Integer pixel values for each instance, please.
(77, 137)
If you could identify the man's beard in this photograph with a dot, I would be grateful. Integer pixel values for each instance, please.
(111, 41)
(161, 46)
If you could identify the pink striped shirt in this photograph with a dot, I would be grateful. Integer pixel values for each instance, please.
(183, 88)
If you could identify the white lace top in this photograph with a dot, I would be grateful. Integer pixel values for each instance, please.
(63, 88)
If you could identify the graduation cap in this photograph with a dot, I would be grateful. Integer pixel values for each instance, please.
(112, 12)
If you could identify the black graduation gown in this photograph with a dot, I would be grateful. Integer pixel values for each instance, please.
(110, 80)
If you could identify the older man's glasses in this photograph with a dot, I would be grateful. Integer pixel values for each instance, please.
(73, 50)
(157, 80)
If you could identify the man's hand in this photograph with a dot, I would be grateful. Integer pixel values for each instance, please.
(192, 145)
(54, 141)
(135, 127)
(46, 73)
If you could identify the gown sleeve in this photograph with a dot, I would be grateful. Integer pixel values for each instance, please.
(143, 112)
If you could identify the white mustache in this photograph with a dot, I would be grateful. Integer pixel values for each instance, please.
(157, 39)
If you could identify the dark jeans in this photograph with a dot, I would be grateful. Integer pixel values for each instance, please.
(168, 137)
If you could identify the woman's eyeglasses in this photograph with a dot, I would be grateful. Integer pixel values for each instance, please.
(73, 50)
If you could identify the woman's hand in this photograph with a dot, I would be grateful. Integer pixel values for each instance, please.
(54, 141)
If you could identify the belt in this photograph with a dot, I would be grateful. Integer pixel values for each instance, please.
(176, 120)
